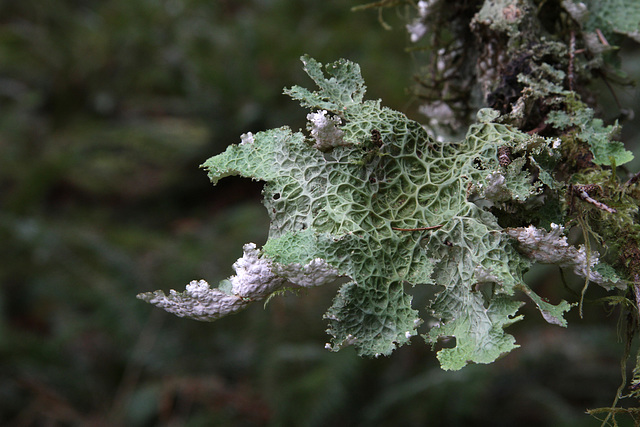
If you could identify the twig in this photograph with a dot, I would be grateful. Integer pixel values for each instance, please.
(380, 4)
(602, 38)
(581, 190)
(632, 180)
(433, 227)
(608, 85)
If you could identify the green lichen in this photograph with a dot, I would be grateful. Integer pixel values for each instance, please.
(613, 17)
(606, 151)
(370, 220)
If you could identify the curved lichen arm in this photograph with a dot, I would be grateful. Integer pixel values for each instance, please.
(362, 201)
(256, 278)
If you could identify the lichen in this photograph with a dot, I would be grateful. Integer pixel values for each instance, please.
(388, 207)
(371, 196)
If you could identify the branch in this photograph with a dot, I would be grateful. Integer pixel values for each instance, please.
(581, 191)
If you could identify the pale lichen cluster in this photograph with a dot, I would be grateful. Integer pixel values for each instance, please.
(256, 279)
(551, 247)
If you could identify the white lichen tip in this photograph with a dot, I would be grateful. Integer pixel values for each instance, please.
(246, 138)
(254, 277)
(551, 247)
(198, 301)
(324, 129)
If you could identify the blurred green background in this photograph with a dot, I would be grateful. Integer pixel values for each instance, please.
(107, 108)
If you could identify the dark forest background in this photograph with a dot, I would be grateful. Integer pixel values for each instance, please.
(107, 108)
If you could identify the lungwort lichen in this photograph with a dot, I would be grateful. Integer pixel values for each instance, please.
(369, 196)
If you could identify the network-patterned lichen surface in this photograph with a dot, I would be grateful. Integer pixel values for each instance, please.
(365, 194)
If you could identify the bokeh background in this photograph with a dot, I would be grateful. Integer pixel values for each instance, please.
(107, 108)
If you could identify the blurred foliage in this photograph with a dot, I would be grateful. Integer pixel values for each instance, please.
(106, 110)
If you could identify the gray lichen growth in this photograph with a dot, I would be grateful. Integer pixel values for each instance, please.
(551, 247)
(256, 279)
(324, 130)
